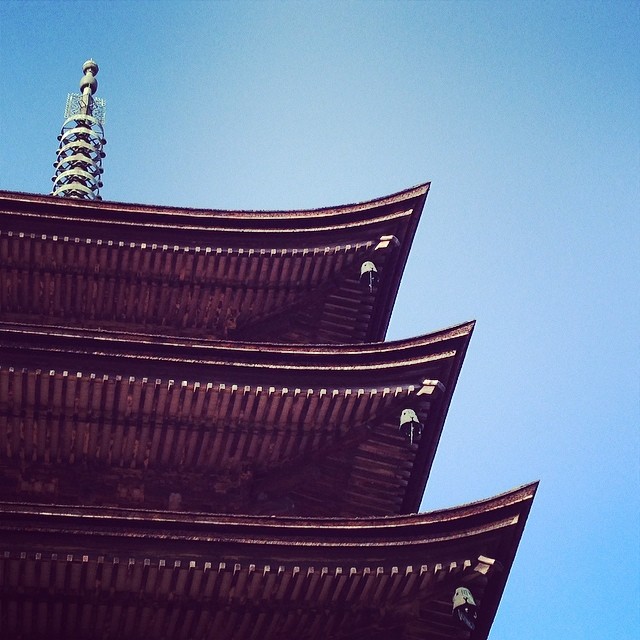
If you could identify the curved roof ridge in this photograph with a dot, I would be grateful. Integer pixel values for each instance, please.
(283, 348)
(398, 196)
(518, 497)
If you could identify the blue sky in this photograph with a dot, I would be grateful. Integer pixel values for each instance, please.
(525, 117)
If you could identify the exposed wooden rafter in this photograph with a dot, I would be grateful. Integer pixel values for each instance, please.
(109, 573)
(257, 276)
(312, 431)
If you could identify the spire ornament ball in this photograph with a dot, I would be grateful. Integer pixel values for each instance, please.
(78, 163)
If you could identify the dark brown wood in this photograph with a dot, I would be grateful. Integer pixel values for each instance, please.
(257, 276)
(93, 418)
(199, 430)
(253, 577)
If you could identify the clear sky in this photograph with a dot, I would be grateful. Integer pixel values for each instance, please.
(525, 117)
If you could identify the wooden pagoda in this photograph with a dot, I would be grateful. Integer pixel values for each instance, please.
(200, 425)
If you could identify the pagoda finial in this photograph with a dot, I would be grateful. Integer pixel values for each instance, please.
(79, 157)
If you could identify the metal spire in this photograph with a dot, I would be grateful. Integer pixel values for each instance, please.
(79, 157)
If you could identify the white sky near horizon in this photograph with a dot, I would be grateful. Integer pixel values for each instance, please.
(526, 118)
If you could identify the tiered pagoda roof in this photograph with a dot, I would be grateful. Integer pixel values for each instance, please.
(199, 429)
(94, 418)
(278, 276)
(113, 573)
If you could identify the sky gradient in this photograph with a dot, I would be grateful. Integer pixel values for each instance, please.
(525, 117)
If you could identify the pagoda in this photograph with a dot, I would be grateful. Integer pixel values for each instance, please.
(203, 434)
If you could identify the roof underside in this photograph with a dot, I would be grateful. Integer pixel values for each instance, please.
(256, 276)
(161, 365)
(93, 418)
(106, 573)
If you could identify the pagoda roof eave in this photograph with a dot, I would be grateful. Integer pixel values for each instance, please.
(324, 408)
(267, 356)
(290, 276)
(318, 219)
(465, 519)
(408, 565)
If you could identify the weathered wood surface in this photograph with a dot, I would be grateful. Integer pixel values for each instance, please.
(108, 573)
(93, 418)
(260, 276)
